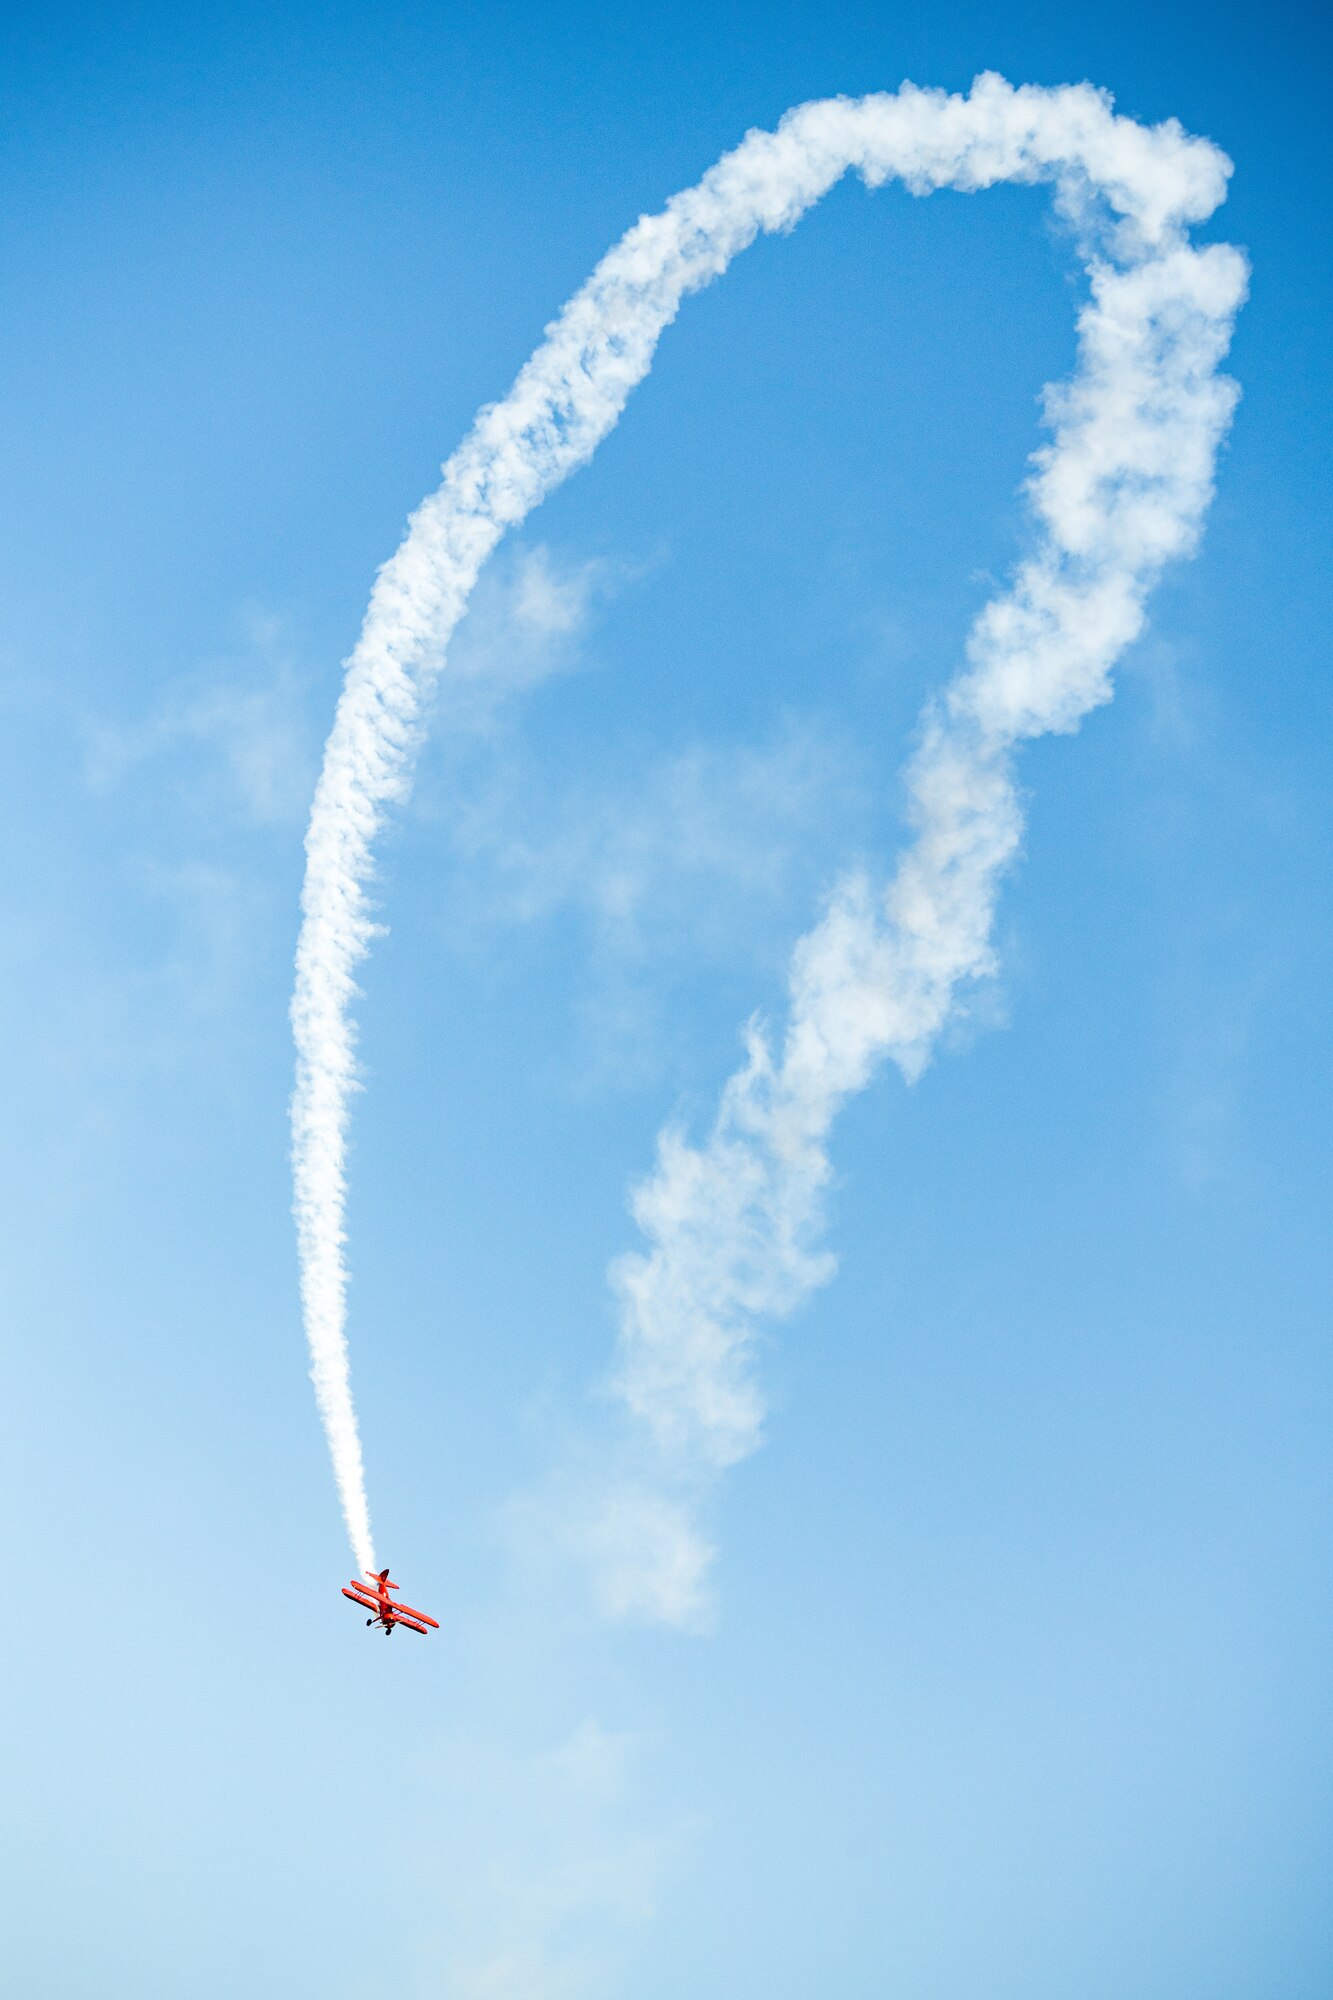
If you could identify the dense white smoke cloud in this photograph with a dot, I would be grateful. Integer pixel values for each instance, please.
(732, 1226)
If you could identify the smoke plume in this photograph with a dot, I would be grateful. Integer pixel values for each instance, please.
(732, 1226)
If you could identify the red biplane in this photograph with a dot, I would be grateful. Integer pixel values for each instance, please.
(374, 1596)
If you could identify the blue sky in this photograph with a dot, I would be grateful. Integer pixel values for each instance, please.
(1018, 1674)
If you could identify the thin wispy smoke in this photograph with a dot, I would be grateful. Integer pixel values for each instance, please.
(733, 1225)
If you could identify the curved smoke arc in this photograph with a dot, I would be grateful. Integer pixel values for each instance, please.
(1119, 490)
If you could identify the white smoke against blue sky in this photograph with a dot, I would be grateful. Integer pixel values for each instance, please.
(733, 1226)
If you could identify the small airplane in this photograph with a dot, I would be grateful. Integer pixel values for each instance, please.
(374, 1596)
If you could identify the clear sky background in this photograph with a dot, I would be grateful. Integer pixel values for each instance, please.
(1019, 1675)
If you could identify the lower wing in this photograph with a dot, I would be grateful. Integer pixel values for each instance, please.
(406, 1611)
(398, 1619)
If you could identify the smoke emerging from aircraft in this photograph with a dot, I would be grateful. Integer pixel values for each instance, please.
(732, 1226)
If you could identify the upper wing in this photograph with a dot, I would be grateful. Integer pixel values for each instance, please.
(367, 1603)
(406, 1611)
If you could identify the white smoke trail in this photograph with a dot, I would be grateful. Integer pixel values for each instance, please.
(1120, 490)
